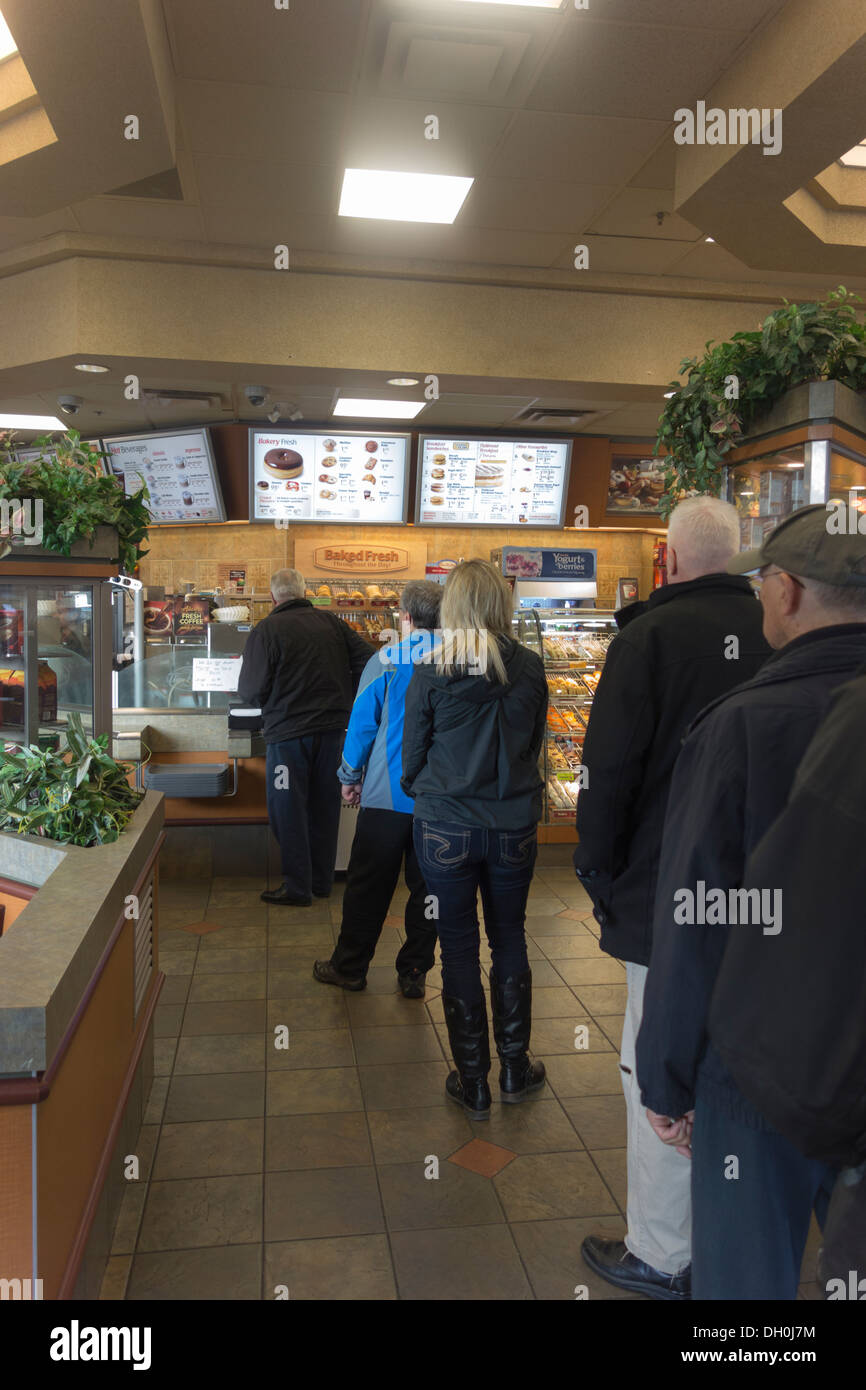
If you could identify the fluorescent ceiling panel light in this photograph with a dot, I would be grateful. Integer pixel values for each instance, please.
(8, 46)
(89, 367)
(382, 410)
(45, 423)
(389, 196)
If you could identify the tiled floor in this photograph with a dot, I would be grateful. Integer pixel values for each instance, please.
(336, 1168)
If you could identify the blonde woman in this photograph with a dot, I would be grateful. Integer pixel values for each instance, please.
(474, 723)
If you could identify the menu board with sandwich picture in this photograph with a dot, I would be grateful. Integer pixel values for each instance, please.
(178, 470)
(333, 476)
(492, 482)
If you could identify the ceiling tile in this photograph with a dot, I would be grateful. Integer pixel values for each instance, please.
(741, 15)
(311, 45)
(230, 118)
(635, 213)
(260, 184)
(388, 134)
(140, 217)
(585, 149)
(266, 228)
(660, 169)
(532, 205)
(617, 69)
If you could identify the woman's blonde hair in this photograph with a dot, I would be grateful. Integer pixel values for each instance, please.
(476, 611)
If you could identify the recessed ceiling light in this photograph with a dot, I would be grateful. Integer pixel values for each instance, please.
(390, 196)
(46, 423)
(8, 46)
(711, 240)
(89, 367)
(384, 410)
(403, 381)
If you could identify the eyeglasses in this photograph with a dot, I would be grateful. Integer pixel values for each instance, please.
(758, 580)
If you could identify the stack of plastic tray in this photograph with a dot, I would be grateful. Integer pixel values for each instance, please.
(188, 779)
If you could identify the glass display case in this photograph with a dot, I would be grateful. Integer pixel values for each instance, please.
(55, 657)
(813, 452)
(573, 647)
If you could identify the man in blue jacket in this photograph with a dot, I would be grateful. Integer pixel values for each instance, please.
(753, 1192)
(370, 772)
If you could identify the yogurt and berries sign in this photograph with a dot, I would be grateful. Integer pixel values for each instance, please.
(520, 563)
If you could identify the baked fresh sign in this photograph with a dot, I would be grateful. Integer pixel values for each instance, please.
(361, 558)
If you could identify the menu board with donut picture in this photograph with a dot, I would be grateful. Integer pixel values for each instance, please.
(339, 475)
(492, 482)
(178, 470)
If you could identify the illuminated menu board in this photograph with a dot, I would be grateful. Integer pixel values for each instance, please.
(179, 472)
(491, 482)
(333, 476)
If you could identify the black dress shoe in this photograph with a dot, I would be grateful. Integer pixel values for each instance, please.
(325, 973)
(615, 1263)
(283, 898)
(321, 895)
(412, 984)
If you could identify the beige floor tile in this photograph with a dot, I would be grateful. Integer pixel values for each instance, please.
(227, 1274)
(345, 1268)
(317, 1141)
(213, 988)
(115, 1279)
(538, 1187)
(326, 1010)
(220, 1053)
(223, 1096)
(551, 1253)
(194, 1212)
(602, 999)
(468, 1264)
(396, 1044)
(599, 1120)
(313, 1047)
(210, 1149)
(314, 1091)
(415, 1201)
(403, 1085)
(613, 1168)
(412, 1135)
(234, 961)
(537, 1125)
(584, 1074)
(224, 1016)
(321, 1202)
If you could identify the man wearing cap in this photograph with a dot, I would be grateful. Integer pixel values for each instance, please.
(752, 1192)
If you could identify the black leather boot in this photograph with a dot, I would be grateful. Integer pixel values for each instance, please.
(512, 1021)
(470, 1048)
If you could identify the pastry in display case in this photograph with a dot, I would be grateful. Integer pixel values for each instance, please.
(573, 645)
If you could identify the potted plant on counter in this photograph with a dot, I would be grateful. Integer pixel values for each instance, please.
(81, 510)
(736, 382)
(75, 795)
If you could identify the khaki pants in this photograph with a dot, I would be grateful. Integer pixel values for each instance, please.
(659, 1179)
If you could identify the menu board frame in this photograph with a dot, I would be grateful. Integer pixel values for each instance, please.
(170, 433)
(495, 439)
(30, 449)
(322, 432)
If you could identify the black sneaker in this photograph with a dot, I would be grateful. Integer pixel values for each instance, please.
(283, 898)
(614, 1262)
(412, 984)
(325, 973)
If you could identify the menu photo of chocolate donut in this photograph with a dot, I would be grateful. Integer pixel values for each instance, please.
(283, 463)
(372, 446)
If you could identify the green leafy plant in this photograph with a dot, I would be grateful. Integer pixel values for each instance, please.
(76, 496)
(735, 382)
(77, 794)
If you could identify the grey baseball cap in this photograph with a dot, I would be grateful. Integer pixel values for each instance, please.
(821, 542)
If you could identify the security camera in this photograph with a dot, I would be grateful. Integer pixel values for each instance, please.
(256, 395)
(274, 415)
(70, 405)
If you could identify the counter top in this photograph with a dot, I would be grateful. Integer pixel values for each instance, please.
(49, 956)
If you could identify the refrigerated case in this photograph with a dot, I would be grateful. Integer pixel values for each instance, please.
(573, 646)
(55, 657)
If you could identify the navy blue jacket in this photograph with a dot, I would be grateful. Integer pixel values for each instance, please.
(732, 779)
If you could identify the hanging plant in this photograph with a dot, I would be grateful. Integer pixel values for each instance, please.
(76, 496)
(735, 382)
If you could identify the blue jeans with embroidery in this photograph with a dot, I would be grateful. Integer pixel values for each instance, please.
(457, 860)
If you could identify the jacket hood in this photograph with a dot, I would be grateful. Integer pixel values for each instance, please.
(478, 690)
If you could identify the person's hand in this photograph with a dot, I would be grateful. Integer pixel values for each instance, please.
(351, 793)
(677, 1132)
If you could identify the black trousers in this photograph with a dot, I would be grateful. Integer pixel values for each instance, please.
(304, 809)
(383, 841)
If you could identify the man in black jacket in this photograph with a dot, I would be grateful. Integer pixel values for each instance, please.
(752, 1191)
(696, 637)
(302, 666)
(788, 1014)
